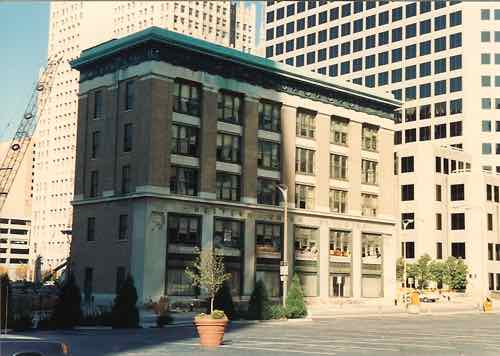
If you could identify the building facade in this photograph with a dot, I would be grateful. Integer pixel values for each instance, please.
(15, 224)
(197, 138)
(77, 25)
(423, 52)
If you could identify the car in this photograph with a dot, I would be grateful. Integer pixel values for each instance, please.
(32, 347)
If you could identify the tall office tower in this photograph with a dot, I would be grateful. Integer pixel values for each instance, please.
(424, 52)
(77, 25)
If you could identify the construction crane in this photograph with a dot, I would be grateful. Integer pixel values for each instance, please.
(20, 142)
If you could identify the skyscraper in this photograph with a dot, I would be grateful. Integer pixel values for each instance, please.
(78, 25)
(440, 58)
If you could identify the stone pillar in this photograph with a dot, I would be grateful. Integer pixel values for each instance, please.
(148, 251)
(208, 148)
(389, 250)
(249, 176)
(386, 178)
(207, 231)
(249, 256)
(322, 164)
(356, 262)
(81, 143)
(354, 168)
(288, 123)
(324, 260)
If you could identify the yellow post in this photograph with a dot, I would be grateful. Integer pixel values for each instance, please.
(414, 298)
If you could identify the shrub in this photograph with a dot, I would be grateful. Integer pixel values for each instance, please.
(224, 301)
(295, 303)
(258, 306)
(124, 312)
(218, 314)
(456, 273)
(5, 303)
(67, 312)
(277, 311)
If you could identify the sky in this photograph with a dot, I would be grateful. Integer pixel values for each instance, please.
(23, 50)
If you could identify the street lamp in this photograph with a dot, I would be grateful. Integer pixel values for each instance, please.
(284, 265)
(405, 223)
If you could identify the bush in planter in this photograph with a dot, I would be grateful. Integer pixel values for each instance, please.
(258, 306)
(5, 298)
(295, 302)
(224, 301)
(277, 311)
(67, 312)
(124, 312)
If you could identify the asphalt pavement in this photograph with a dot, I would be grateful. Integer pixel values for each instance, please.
(474, 334)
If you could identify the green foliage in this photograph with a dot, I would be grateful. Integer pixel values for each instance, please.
(277, 311)
(295, 302)
(224, 301)
(218, 314)
(422, 270)
(438, 272)
(208, 272)
(455, 273)
(99, 318)
(67, 312)
(125, 313)
(399, 269)
(259, 304)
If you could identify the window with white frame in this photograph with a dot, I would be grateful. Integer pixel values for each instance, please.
(338, 201)
(369, 204)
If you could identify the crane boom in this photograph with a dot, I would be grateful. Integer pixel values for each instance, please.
(21, 140)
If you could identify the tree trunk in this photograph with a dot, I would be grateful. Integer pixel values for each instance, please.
(211, 305)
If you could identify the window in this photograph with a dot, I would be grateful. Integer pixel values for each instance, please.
(383, 18)
(439, 222)
(268, 155)
(455, 106)
(96, 139)
(407, 221)
(438, 192)
(408, 248)
(305, 124)
(383, 38)
(486, 126)
(187, 98)
(269, 116)
(396, 55)
(440, 131)
(357, 64)
(123, 227)
(91, 229)
(410, 31)
(455, 40)
(407, 164)
(489, 192)
(183, 230)
(407, 192)
(425, 27)
(425, 133)
(120, 278)
(439, 250)
(440, 87)
(369, 138)
(456, 62)
(410, 135)
(383, 78)
(410, 72)
(304, 161)
(87, 283)
(358, 25)
(440, 109)
(338, 166)
(486, 103)
(411, 52)
(345, 29)
(458, 221)
(127, 137)
(458, 249)
(345, 48)
(440, 66)
(485, 58)
(490, 222)
(370, 22)
(425, 6)
(126, 179)
(369, 61)
(228, 186)
(425, 69)
(397, 34)
(410, 114)
(368, 172)
(268, 240)
(486, 148)
(440, 44)
(304, 196)
(357, 45)
(334, 14)
(184, 140)
(397, 14)
(485, 36)
(184, 181)
(455, 128)
(311, 39)
(439, 23)
(369, 204)
(94, 183)
(425, 92)
(411, 93)
(491, 281)
(370, 81)
(267, 192)
(485, 14)
(228, 148)
(229, 107)
(98, 104)
(346, 10)
(425, 48)
(383, 58)
(497, 252)
(129, 95)
(485, 81)
(338, 201)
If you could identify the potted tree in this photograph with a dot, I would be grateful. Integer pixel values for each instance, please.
(208, 273)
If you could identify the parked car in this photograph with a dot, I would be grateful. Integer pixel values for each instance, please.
(429, 297)
(28, 347)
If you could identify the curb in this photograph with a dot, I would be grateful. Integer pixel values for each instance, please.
(403, 314)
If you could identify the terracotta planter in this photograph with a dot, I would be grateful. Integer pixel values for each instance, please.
(211, 331)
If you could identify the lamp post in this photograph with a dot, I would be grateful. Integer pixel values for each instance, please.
(284, 265)
(405, 222)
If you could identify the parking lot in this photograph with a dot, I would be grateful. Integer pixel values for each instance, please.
(458, 335)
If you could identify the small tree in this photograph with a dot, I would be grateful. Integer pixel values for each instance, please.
(295, 302)
(437, 271)
(208, 272)
(455, 273)
(124, 313)
(224, 300)
(259, 304)
(422, 271)
(67, 312)
(5, 299)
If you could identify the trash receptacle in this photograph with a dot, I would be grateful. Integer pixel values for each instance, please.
(487, 305)
(414, 298)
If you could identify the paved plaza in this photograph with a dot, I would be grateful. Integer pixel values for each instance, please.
(457, 335)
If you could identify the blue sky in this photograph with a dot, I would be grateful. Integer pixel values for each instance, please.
(23, 50)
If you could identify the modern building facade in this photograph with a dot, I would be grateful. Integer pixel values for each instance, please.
(15, 224)
(423, 52)
(181, 146)
(75, 25)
